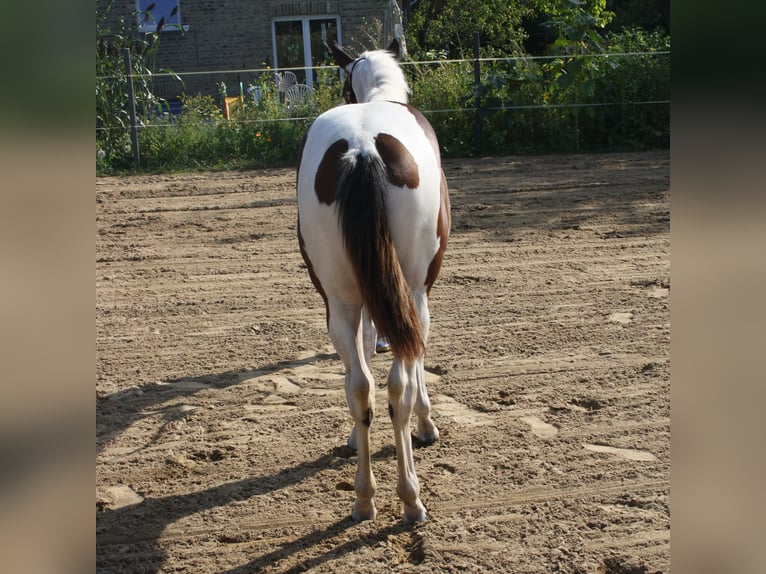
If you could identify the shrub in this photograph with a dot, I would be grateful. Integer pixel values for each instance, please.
(445, 89)
(527, 106)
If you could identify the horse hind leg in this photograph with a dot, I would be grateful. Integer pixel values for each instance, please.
(369, 336)
(346, 334)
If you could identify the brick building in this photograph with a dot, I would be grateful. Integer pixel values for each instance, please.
(234, 37)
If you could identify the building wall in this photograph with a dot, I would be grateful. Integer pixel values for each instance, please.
(237, 35)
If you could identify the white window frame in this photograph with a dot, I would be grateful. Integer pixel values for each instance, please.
(306, 28)
(151, 26)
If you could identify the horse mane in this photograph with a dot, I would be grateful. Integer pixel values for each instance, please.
(381, 77)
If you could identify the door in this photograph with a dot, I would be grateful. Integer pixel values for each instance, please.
(303, 43)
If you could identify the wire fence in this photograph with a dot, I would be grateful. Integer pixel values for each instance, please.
(426, 112)
(403, 64)
(506, 60)
(487, 86)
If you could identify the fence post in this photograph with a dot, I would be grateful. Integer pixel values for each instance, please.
(476, 82)
(132, 109)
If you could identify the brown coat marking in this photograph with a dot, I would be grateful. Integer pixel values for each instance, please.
(442, 231)
(326, 179)
(300, 156)
(401, 168)
(425, 125)
(312, 275)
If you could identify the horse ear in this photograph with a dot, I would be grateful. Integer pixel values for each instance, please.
(342, 58)
(393, 47)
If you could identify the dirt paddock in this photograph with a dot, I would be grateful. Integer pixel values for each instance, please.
(221, 417)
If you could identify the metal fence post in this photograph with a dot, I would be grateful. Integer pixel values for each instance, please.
(132, 109)
(477, 83)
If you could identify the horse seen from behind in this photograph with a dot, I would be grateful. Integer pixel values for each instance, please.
(373, 223)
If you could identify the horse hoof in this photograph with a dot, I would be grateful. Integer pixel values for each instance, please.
(413, 514)
(426, 437)
(364, 511)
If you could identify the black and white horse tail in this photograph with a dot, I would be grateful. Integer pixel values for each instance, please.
(361, 206)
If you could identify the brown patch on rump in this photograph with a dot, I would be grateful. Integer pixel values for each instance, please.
(442, 231)
(326, 179)
(401, 168)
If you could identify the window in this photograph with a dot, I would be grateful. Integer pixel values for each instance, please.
(159, 15)
(303, 43)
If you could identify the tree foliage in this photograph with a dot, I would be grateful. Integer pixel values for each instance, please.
(650, 15)
(445, 27)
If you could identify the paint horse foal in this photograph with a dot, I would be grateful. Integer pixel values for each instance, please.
(373, 222)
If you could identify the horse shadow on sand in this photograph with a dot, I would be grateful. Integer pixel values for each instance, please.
(117, 412)
(127, 538)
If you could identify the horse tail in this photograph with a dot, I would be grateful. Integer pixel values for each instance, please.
(361, 203)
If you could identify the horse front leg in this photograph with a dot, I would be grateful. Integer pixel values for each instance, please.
(346, 333)
(401, 399)
(369, 337)
(427, 431)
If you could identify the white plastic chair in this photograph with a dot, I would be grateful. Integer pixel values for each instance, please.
(288, 79)
(255, 92)
(299, 94)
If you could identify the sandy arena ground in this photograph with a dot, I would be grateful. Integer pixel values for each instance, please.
(221, 418)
